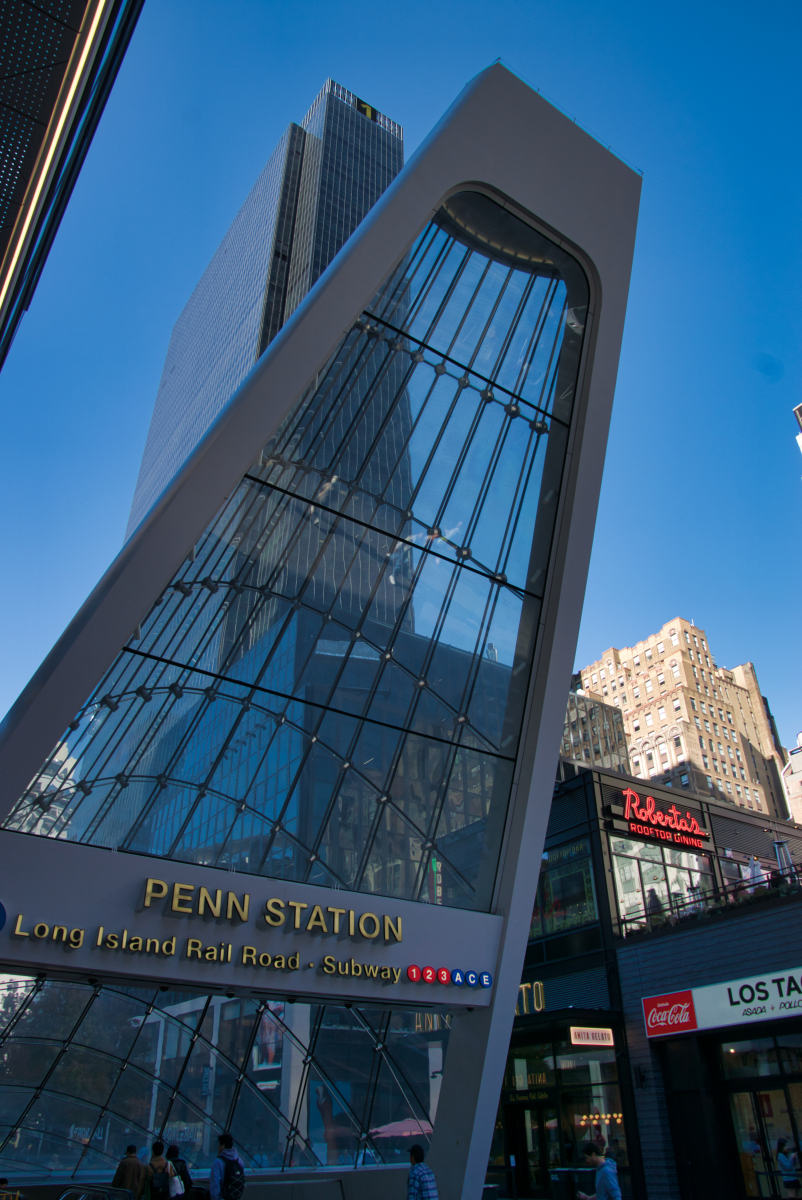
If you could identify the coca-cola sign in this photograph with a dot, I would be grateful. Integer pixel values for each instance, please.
(674, 1013)
(667, 824)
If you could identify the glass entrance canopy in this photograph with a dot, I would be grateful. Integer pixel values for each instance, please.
(331, 688)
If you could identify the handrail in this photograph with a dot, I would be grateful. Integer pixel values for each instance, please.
(743, 891)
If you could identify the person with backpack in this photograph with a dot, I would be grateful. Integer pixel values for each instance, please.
(157, 1176)
(227, 1179)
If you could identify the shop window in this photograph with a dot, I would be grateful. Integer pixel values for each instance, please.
(530, 1066)
(585, 1064)
(754, 1056)
(565, 894)
(791, 1052)
(654, 883)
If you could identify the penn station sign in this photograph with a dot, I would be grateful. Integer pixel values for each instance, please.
(82, 910)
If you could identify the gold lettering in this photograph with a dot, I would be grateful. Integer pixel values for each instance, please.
(317, 920)
(296, 904)
(18, 930)
(124, 942)
(205, 901)
(338, 912)
(376, 925)
(155, 889)
(152, 946)
(76, 938)
(340, 966)
(273, 914)
(351, 915)
(168, 946)
(242, 909)
(292, 962)
(278, 961)
(135, 945)
(264, 960)
(59, 929)
(210, 954)
(41, 930)
(392, 928)
(386, 973)
(99, 941)
(249, 956)
(194, 947)
(396, 974)
(112, 941)
(356, 969)
(228, 959)
(371, 971)
(182, 897)
(328, 965)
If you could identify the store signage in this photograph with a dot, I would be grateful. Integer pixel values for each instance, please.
(645, 819)
(580, 1036)
(768, 997)
(80, 909)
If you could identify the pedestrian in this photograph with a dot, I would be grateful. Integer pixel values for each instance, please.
(421, 1184)
(227, 1178)
(786, 1161)
(607, 1187)
(158, 1173)
(180, 1167)
(129, 1172)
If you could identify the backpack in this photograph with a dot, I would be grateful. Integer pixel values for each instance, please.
(232, 1184)
(160, 1184)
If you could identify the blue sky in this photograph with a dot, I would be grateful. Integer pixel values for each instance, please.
(703, 481)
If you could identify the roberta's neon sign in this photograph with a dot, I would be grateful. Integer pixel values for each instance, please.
(646, 819)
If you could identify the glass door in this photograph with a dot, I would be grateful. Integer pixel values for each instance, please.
(761, 1118)
(534, 1148)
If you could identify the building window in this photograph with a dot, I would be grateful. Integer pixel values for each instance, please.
(565, 896)
(729, 787)
(674, 639)
(649, 719)
(693, 704)
(648, 685)
(663, 750)
(636, 723)
(687, 636)
(675, 670)
(636, 692)
(661, 679)
(685, 781)
(654, 883)
(636, 660)
(678, 742)
(661, 712)
(602, 674)
(704, 760)
(648, 656)
(660, 648)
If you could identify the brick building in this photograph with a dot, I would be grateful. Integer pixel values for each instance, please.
(690, 723)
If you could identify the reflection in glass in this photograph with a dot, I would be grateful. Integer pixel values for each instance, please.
(754, 1056)
(331, 687)
(299, 1084)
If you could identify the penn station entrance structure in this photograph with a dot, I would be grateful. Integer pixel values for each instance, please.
(274, 806)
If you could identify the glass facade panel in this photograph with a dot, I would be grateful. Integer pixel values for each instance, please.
(565, 896)
(331, 688)
(654, 883)
(299, 1084)
(755, 1056)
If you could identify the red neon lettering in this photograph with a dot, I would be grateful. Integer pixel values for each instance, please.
(648, 811)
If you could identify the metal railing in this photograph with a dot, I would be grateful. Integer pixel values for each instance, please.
(679, 911)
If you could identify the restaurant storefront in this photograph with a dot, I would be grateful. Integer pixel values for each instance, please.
(638, 886)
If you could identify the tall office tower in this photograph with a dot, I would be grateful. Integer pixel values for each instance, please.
(318, 184)
(690, 723)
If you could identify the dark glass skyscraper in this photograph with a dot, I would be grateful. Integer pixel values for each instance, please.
(320, 181)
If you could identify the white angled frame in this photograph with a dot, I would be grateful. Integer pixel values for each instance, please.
(502, 137)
